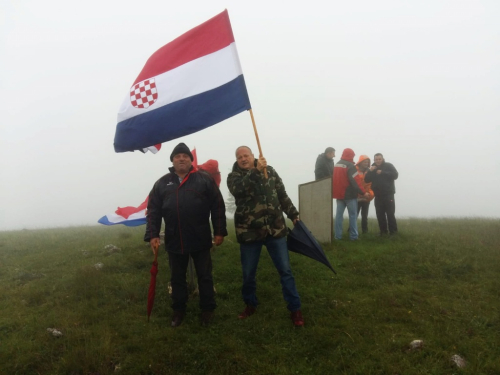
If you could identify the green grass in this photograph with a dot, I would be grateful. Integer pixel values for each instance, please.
(438, 281)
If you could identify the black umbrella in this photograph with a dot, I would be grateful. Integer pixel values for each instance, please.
(300, 240)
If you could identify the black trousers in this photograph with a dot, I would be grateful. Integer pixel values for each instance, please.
(385, 207)
(178, 268)
(364, 206)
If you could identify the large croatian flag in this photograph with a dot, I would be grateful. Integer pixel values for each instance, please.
(191, 83)
(129, 216)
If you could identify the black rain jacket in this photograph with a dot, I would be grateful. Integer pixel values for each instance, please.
(186, 207)
(383, 183)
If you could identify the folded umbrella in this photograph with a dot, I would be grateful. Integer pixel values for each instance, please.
(152, 283)
(300, 240)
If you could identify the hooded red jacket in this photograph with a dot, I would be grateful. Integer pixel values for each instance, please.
(347, 183)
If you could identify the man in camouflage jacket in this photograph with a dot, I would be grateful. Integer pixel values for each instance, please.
(258, 220)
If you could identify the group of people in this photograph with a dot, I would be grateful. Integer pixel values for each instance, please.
(355, 185)
(187, 199)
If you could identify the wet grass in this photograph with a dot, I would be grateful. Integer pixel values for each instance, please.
(436, 281)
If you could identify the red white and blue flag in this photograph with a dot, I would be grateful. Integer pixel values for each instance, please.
(129, 216)
(154, 149)
(189, 84)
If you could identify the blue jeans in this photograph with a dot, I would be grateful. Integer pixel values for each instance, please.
(277, 249)
(352, 210)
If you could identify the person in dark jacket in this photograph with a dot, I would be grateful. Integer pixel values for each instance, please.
(347, 185)
(382, 176)
(186, 199)
(324, 164)
(258, 220)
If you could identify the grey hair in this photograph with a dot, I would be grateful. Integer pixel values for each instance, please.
(249, 149)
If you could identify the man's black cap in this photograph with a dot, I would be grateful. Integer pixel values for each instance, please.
(181, 148)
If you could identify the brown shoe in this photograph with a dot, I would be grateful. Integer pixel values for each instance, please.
(177, 318)
(206, 318)
(249, 311)
(297, 319)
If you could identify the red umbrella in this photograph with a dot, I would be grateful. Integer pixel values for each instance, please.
(152, 283)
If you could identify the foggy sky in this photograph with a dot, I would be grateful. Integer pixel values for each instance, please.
(418, 81)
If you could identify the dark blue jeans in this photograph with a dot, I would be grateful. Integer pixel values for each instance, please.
(277, 249)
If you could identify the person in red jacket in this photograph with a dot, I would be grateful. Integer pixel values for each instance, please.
(347, 185)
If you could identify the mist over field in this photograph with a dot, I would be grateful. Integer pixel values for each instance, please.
(418, 82)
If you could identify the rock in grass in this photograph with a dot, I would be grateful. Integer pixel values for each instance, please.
(110, 249)
(459, 361)
(416, 344)
(98, 266)
(114, 250)
(55, 332)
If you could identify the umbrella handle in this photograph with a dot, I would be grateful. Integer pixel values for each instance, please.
(155, 251)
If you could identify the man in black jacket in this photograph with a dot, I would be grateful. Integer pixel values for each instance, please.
(324, 164)
(186, 199)
(382, 176)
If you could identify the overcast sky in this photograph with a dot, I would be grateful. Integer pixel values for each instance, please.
(418, 81)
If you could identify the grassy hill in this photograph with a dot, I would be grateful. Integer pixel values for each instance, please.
(438, 281)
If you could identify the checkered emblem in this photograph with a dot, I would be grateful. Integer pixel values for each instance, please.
(144, 94)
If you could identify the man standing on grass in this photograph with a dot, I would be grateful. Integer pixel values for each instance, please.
(260, 203)
(324, 164)
(186, 199)
(382, 176)
(347, 185)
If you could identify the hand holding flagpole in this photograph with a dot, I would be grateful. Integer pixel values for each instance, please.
(257, 137)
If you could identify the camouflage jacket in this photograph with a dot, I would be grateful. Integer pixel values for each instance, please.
(260, 204)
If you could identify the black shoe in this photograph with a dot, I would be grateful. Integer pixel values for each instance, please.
(177, 318)
(206, 318)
